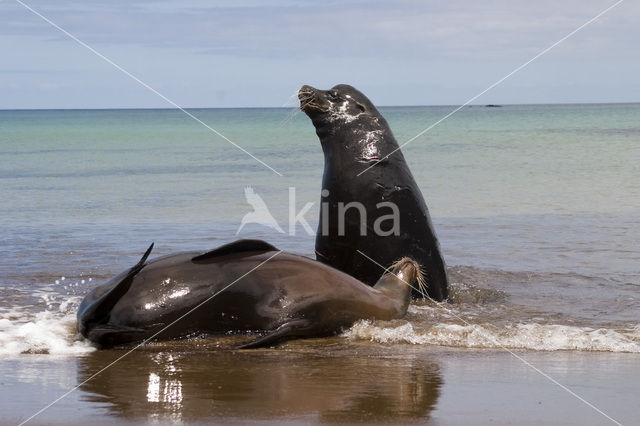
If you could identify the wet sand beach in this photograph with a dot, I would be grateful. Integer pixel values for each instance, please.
(321, 381)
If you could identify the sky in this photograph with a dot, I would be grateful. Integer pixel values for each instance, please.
(258, 53)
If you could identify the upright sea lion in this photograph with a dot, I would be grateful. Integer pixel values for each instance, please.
(244, 286)
(354, 137)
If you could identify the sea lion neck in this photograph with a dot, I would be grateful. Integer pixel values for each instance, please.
(396, 290)
(364, 140)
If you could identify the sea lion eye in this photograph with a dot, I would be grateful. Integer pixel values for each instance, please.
(333, 94)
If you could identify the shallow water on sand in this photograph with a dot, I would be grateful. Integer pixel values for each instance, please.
(320, 381)
(536, 208)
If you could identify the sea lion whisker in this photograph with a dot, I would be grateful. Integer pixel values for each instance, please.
(310, 104)
(290, 100)
(290, 115)
(423, 285)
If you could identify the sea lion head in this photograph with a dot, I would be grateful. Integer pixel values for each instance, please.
(340, 103)
(397, 282)
(345, 118)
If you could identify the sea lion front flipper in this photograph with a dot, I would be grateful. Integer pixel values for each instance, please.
(284, 332)
(235, 247)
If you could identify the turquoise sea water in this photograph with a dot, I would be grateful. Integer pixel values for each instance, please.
(537, 209)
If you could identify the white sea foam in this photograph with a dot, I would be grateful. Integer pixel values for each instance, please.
(50, 331)
(516, 336)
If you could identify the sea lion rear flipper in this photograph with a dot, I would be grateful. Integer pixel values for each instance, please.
(103, 334)
(235, 247)
(98, 311)
(284, 332)
(97, 333)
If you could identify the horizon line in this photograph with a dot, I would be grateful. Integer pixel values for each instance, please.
(285, 107)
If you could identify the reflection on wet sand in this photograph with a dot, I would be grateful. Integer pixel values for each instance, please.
(306, 380)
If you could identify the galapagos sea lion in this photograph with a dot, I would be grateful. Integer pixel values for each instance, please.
(354, 136)
(245, 286)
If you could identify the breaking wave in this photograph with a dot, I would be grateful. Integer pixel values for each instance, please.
(532, 336)
(51, 331)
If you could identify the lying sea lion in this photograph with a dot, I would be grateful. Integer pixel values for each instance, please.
(244, 286)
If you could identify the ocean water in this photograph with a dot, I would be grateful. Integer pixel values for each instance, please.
(537, 209)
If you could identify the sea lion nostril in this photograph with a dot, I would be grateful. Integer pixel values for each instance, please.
(306, 92)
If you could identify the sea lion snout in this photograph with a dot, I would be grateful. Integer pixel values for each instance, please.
(406, 269)
(306, 89)
(310, 100)
(410, 271)
(306, 94)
